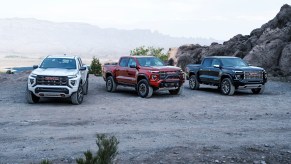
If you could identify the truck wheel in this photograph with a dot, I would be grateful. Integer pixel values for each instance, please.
(85, 87)
(178, 91)
(31, 98)
(193, 82)
(144, 89)
(259, 90)
(77, 97)
(110, 84)
(227, 87)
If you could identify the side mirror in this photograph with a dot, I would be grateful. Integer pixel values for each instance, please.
(250, 64)
(83, 68)
(216, 66)
(132, 66)
(35, 66)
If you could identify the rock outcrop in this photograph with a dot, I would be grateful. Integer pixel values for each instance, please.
(268, 47)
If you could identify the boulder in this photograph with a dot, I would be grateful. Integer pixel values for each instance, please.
(266, 55)
(267, 47)
(285, 60)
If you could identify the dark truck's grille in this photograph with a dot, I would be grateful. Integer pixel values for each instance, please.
(170, 75)
(253, 75)
(52, 80)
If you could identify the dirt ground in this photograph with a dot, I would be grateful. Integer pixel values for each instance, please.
(196, 127)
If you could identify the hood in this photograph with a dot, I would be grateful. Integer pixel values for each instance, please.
(163, 68)
(54, 71)
(247, 68)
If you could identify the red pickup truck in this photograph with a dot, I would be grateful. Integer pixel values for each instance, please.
(145, 73)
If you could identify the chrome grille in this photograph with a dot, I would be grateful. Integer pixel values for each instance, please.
(253, 75)
(52, 80)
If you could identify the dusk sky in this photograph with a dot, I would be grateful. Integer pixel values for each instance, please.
(218, 19)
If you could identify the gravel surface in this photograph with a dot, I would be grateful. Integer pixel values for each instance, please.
(196, 127)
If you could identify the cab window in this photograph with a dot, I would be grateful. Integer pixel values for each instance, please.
(131, 62)
(123, 62)
(207, 62)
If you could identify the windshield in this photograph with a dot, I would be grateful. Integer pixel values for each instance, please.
(233, 62)
(149, 61)
(58, 63)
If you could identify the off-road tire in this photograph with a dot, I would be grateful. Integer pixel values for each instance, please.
(259, 90)
(144, 90)
(110, 84)
(227, 88)
(77, 97)
(193, 82)
(31, 98)
(85, 87)
(178, 91)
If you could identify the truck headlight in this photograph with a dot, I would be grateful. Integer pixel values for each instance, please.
(32, 75)
(72, 76)
(155, 77)
(73, 82)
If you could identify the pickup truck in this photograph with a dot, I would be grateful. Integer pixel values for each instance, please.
(58, 76)
(145, 73)
(228, 73)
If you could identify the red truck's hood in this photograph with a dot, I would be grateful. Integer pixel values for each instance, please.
(162, 68)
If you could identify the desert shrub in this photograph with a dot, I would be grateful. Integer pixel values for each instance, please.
(95, 67)
(9, 71)
(107, 151)
(46, 161)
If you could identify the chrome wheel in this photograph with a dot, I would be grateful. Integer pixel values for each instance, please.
(225, 87)
(142, 89)
(193, 82)
(80, 94)
(109, 85)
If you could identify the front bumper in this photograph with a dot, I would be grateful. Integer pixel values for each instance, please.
(52, 91)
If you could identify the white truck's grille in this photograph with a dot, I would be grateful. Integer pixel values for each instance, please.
(52, 80)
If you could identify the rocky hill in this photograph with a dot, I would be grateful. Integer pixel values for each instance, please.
(38, 38)
(268, 47)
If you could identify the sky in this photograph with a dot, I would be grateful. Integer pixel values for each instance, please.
(217, 19)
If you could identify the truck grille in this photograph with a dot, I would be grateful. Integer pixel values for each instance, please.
(52, 80)
(253, 75)
(170, 75)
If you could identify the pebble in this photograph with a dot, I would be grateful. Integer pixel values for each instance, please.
(216, 161)
(263, 162)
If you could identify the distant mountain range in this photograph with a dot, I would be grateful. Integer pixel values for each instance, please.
(38, 38)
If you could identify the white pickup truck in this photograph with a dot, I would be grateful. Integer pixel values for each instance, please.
(58, 76)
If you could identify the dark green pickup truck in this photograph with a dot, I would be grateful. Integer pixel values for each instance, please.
(228, 73)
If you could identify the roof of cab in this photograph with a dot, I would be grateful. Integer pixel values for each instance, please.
(61, 56)
(220, 57)
(136, 56)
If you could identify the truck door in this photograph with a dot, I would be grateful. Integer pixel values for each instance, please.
(131, 72)
(84, 72)
(121, 70)
(214, 72)
(204, 71)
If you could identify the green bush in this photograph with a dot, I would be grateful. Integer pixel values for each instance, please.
(95, 67)
(46, 161)
(149, 51)
(107, 151)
